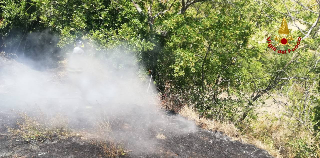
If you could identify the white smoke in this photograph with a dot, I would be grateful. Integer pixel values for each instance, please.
(87, 89)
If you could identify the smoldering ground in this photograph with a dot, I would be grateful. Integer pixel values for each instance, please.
(88, 90)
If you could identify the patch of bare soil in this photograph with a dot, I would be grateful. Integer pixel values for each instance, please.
(71, 147)
(202, 143)
(211, 144)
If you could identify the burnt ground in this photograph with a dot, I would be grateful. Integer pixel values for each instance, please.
(198, 144)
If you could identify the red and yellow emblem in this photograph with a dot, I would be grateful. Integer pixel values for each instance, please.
(284, 38)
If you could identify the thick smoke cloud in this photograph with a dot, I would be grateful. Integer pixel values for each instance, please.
(37, 46)
(86, 90)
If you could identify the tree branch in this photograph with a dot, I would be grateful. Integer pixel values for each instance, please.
(272, 83)
(284, 14)
(313, 25)
(186, 5)
(305, 7)
(137, 6)
(163, 12)
(292, 18)
(202, 67)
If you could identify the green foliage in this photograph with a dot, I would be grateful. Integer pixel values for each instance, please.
(316, 116)
(302, 149)
(106, 22)
(215, 52)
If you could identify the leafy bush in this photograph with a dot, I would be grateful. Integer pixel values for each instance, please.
(214, 54)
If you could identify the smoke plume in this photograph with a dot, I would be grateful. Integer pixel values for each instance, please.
(87, 89)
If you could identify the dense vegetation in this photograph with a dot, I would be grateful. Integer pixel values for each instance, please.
(212, 54)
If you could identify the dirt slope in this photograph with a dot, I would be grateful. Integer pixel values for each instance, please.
(198, 144)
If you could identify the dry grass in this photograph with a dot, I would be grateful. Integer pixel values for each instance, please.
(277, 135)
(227, 128)
(273, 131)
(32, 129)
(101, 137)
(109, 149)
(284, 136)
